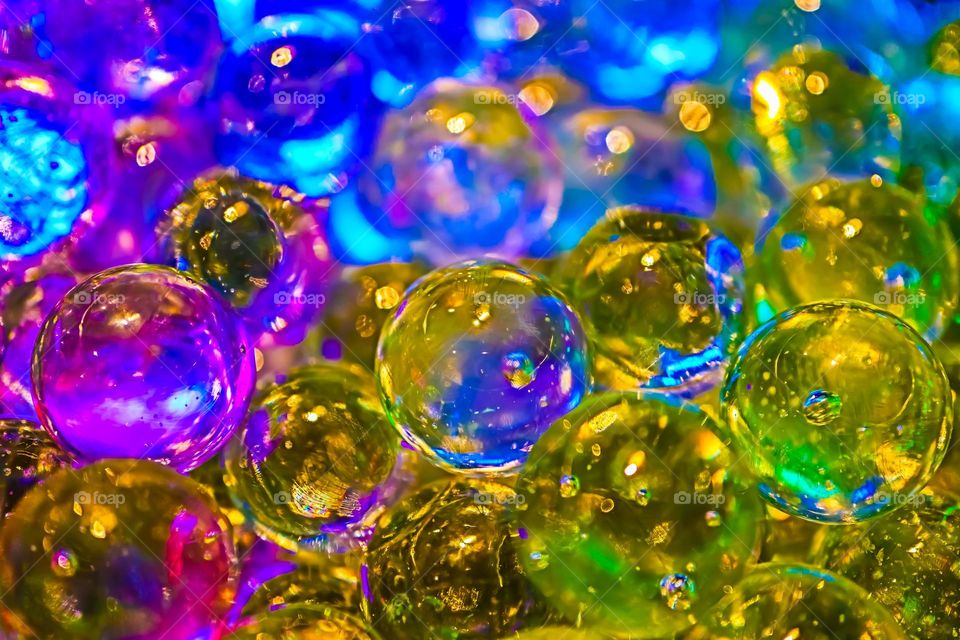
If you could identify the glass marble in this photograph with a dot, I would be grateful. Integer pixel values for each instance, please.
(142, 361)
(258, 245)
(361, 302)
(477, 361)
(794, 600)
(295, 101)
(309, 464)
(52, 187)
(865, 240)
(907, 562)
(817, 114)
(841, 410)
(117, 549)
(145, 50)
(305, 622)
(465, 170)
(27, 300)
(443, 562)
(633, 517)
(27, 456)
(661, 296)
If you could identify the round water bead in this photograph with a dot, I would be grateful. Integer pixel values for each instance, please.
(257, 246)
(629, 54)
(817, 115)
(796, 601)
(865, 240)
(361, 301)
(841, 409)
(142, 361)
(152, 151)
(630, 156)
(907, 562)
(478, 360)
(27, 456)
(55, 164)
(279, 579)
(305, 622)
(661, 297)
(466, 170)
(414, 42)
(443, 561)
(310, 463)
(145, 49)
(295, 102)
(117, 549)
(631, 516)
(518, 36)
(27, 300)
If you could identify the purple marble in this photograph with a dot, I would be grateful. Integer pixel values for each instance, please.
(142, 361)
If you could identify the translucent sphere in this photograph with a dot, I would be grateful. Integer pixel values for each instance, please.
(518, 35)
(145, 49)
(152, 150)
(27, 455)
(442, 562)
(629, 156)
(310, 462)
(118, 549)
(629, 52)
(864, 240)
(465, 170)
(661, 297)
(26, 304)
(361, 302)
(632, 517)
(142, 361)
(295, 101)
(305, 622)
(907, 562)
(783, 600)
(414, 42)
(478, 360)
(55, 164)
(817, 115)
(257, 246)
(280, 579)
(841, 409)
